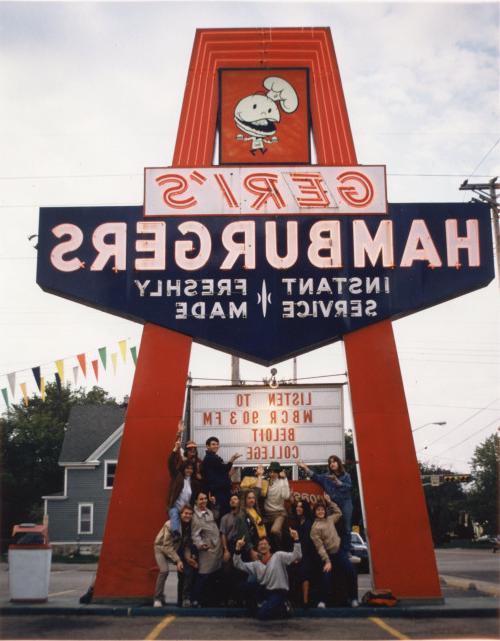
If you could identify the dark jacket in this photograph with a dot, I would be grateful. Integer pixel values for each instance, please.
(215, 473)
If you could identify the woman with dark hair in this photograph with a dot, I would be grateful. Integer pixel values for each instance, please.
(339, 575)
(304, 569)
(249, 523)
(177, 458)
(343, 484)
(191, 455)
(183, 488)
(338, 485)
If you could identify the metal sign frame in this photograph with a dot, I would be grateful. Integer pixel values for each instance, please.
(401, 546)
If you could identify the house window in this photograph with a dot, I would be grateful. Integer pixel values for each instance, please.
(85, 518)
(109, 474)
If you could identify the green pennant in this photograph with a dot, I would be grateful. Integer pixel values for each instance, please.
(5, 396)
(133, 351)
(102, 355)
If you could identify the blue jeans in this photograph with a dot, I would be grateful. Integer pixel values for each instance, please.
(345, 531)
(272, 602)
(175, 520)
(273, 606)
(207, 588)
(341, 584)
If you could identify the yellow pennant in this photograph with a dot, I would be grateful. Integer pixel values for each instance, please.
(114, 360)
(60, 369)
(42, 388)
(123, 349)
(25, 393)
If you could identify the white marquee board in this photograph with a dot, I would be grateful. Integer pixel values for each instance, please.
(264, 424)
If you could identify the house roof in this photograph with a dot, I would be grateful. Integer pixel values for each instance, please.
(88, 427)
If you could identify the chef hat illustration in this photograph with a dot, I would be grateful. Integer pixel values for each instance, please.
(282, 91)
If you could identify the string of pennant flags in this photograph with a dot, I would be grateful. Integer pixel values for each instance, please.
(84, 364)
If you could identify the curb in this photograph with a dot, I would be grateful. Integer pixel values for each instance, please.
(416, 612)
(470, 584)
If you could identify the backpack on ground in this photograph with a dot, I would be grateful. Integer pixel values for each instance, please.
(383, 598)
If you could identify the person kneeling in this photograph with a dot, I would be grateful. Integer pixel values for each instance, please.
(268, 577)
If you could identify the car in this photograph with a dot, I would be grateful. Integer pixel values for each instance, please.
(360, 549)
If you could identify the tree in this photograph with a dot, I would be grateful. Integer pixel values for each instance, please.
(31, 437)
(483, 496)
(445, 503)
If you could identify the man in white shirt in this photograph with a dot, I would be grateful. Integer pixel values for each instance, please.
(278, 492)
(270, 577)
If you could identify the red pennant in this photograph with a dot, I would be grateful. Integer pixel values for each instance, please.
(83, 363)
(95, 365)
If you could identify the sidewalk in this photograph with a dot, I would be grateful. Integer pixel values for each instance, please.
(69, 582)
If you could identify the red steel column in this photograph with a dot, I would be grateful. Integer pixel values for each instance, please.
(401, 549)
(137, 510)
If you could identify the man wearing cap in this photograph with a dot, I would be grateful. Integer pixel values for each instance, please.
(183, 486)
(278, 492)
(176, 459)
(191, 455)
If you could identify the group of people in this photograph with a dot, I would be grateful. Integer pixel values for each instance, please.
(260, 548)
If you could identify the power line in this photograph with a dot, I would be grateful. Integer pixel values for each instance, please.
(259, 380)
(458, 407)
(440, 360)
(464, 174)
(459, 425)
(471, 436)
(484, 158)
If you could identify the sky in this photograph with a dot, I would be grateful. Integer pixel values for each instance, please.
(91, 94)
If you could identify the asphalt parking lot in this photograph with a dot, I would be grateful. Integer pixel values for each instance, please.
(171, 627)
(468, 613)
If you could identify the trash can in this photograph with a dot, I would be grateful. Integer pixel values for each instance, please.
(30, 557)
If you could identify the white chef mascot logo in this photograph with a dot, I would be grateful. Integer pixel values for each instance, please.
(257, 115)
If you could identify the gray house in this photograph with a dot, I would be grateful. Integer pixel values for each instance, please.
(77, 515)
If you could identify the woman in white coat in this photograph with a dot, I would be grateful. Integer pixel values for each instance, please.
(207, 540)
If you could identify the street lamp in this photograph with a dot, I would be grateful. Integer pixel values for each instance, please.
(431, 423)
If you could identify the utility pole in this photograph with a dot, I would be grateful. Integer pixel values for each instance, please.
(487, 193)
(235, 370)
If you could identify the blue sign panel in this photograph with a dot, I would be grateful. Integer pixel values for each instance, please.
(267, 287)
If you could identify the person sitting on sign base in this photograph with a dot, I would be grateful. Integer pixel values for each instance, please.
(268, 576)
